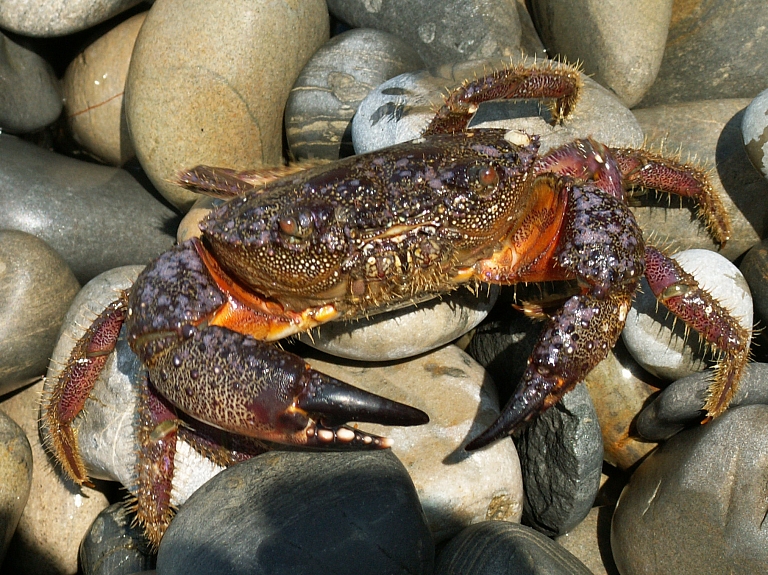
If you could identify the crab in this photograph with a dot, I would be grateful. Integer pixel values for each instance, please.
(293, 248)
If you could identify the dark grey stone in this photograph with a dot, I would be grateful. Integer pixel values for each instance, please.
(754, 266)
(115, 546)
(502, 548)
(680, 405)
(96, 217)
(296, 513)
(698, 502)
(441, 31)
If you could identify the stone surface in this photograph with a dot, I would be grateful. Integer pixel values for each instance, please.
(709, 132)
(93, 89)
(715, 49)
(16, 471)
(754, 266)
(455, 488)
(58, 17)
(619, 44)
(96, 217)
(297, 513)
(561, 456)
(590, 541)
(658, 342)
(404, 332)
(29, 89)
(318, 115)
(680, 404)
(496, 547)
(37, 287)
(754, 129)
(57, 514)
(113, 546)
(699, 500)
(400, 109)
(209, 80)
(440, 31)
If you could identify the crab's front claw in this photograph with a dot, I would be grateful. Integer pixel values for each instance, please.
(245, 386)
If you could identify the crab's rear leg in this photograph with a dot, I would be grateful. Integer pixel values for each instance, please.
(682, 295)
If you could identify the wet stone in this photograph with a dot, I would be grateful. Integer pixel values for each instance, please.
(318, 115)
(58, 17)
(93, 89)
(698, 500)
(496, 547)
(189, 96)
(440, 31)
(658, 342)
(95, 217)
(754, 128)
(29, 90)
(112, 546)
(16, 471)
(37, 288)
(294, 512)
(620, 48)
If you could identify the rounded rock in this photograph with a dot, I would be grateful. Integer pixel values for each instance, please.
(37, 288)
(16, 471)
(296, 513)
(754, 128)
(93, 89)
(58, 17)
(754, 266)
(322, 102)
(191, 97)
(658, 342)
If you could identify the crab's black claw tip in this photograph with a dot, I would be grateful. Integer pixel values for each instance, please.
(337, 401)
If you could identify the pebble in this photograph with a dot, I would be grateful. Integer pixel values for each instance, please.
(93, 89)
(754, 129)
(95, 217)
(400, 109)
(715, 49)
(619, 47)
(29, 89)
(497, 547)
(698, 501)
(58, 17)
(754, 266)
(114, 546)
(16, 471)
(192, 54)
(37, 287)
(57, 513)
(318, 115)
(708, 132)
(658, 342)
(441, 31)
(590, 541)
(455, 488)
(297, 512)
(680, 404)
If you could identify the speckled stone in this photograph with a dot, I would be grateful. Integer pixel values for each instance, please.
(715, 49)
(96, 217)
(302, 513)
(440, 31)
(619, 44)
(16, 471)
(93, 89)
(754, 129)
(190, 97)
(401, 108)
(658, 343)
(37, 287)
(455, 488)
(709, 132)
(57, 514)
(698, 502)
(58, 17)
(29, 89)
(499, 547)
(318, 115)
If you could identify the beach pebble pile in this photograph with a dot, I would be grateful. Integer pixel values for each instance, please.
(104, 103)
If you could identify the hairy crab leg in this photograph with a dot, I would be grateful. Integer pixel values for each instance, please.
(681, 294)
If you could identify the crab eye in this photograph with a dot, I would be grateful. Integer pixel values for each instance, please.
(297, 226)
(484, 177)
